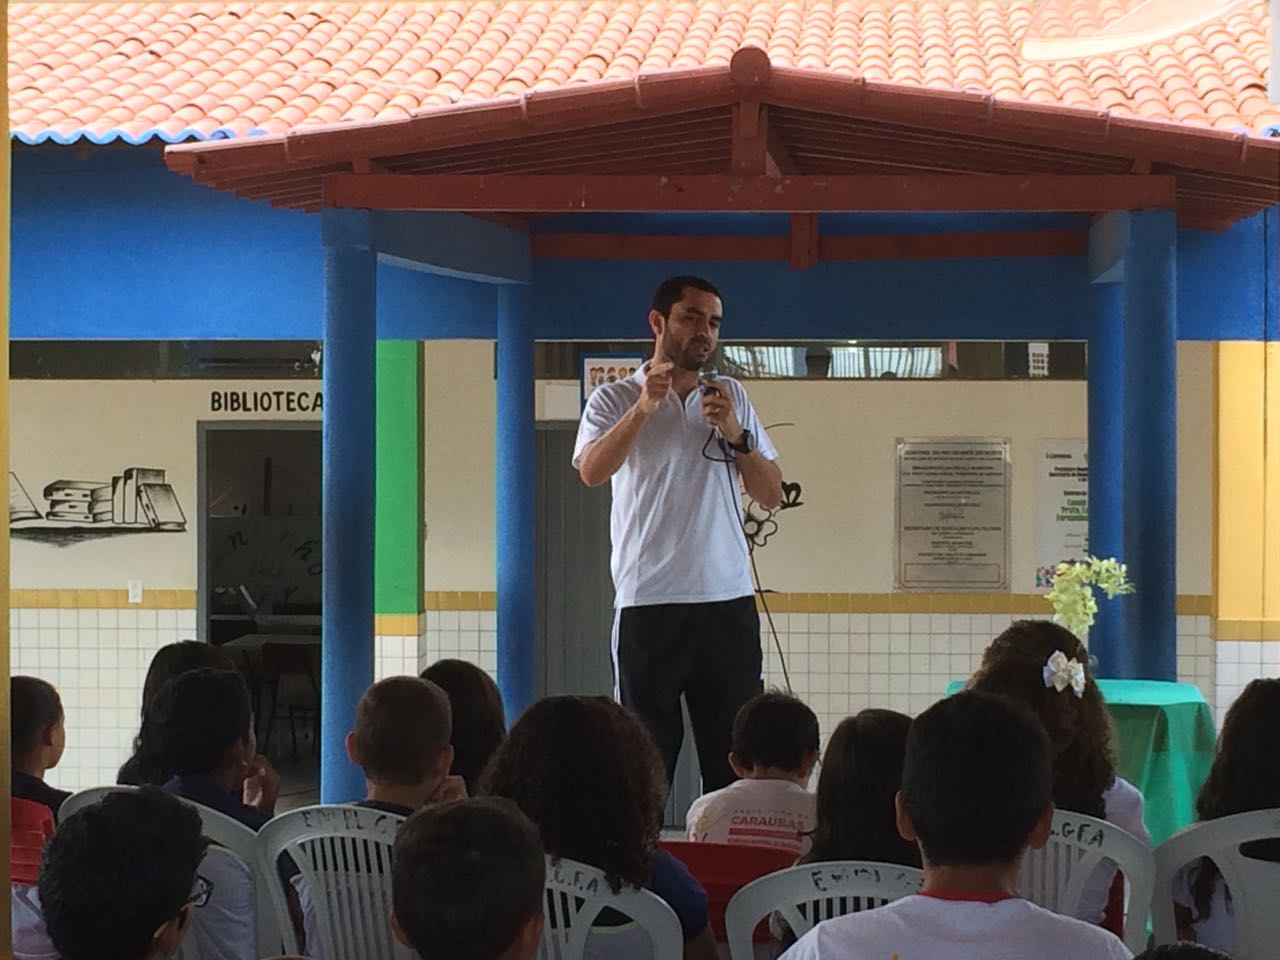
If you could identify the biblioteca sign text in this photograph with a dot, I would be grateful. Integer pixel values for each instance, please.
(266, 401)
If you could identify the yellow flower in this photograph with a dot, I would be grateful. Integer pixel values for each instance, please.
(1072, 596)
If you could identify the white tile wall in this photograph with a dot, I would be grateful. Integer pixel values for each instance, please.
(839, 663)
(97, 659)
(470, 635)
(394, 656)
(842, 663)
(1239, 662)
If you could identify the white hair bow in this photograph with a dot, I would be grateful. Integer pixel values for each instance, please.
(1060, 673)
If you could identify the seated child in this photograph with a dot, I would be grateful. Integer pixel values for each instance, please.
(1245, 776)
(774, 748)
(479, 721)
(38, 737)
(120, 879)
(1046, 667)
(401, 740)
(443, 856)
(861, 775)
(170, 661)
(589, 776)
(202, 726)
(977, 791)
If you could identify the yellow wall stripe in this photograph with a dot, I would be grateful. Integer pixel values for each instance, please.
(1246, 559)
(1028, 603)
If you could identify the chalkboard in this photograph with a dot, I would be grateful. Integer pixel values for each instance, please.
(277, 559)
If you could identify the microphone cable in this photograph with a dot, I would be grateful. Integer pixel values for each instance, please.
(735, 500)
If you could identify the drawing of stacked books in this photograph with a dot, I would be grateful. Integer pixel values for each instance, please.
(139, 497)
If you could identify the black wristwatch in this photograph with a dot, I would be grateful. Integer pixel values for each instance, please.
(746, 445)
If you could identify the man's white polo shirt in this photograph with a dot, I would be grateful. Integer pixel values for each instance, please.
(676, 524)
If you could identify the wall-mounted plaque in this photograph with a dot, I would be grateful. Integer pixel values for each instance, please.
(952, 513)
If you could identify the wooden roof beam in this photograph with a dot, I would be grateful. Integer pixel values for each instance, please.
(555, 193)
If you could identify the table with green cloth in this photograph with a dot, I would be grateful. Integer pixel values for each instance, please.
(1164, 744)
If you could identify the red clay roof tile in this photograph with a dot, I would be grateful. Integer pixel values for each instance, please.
(179, 70)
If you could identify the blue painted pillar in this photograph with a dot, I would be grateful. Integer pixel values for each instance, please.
(350, 341)
(1106, 462)
(1150, 447)
(516, 501)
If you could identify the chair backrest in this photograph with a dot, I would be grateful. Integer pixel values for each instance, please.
(725, 868)
(239, 840)
(808, 894)
(1055, 876)
(1252, 883)
(31, 824)
(85, 798)
(577, 893)
(343, 857)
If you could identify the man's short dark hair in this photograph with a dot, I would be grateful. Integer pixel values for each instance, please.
(117, 871)
(466, 878)
(34, 706)
(774, 730)
(196, 717)
(1182, 951)
(402, 724)
(977, 776)
(671, 290)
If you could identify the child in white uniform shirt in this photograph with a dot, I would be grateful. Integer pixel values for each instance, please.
(775, 745)
(1046, 667)
(976, 792)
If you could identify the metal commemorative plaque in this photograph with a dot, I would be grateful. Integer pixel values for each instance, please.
(952, 515)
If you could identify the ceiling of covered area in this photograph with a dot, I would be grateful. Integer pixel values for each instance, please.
(690, 122)
(134, 72)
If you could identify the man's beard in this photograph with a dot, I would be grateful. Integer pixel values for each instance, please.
(684, 356)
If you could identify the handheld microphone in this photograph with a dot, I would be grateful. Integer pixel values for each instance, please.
(708, 381)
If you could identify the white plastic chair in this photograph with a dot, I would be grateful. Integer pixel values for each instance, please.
(85, 798)
(808, 894)
(239, 850)
(241, 845)
(577, 892)
(343, 855)
(1252, 883)
(1055, 876)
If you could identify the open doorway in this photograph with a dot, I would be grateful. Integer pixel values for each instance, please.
(260, 537)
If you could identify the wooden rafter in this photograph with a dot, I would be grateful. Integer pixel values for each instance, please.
(783, 163)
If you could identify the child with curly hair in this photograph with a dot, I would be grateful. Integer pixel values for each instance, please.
(1046, 667)
(1245, 776)
(587, 773)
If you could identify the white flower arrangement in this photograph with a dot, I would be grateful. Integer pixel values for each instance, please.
(1072, 596)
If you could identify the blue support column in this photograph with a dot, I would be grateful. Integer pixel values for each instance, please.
(1150, 447)
(516, 501)
(350, 340)
(1106, 462)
